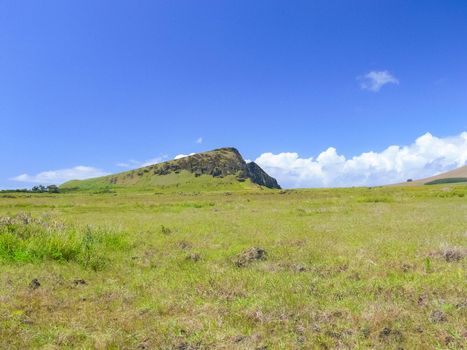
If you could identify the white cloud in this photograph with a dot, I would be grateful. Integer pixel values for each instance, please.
(375, 80)
(154, 161)
(427, 156)
(62, 175)
(178, 156)
(199, 140)
(132, 164)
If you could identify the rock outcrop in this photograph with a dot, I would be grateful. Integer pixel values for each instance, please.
(217, 163)
(260, 177)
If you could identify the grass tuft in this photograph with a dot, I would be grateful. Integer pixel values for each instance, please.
(24, 238)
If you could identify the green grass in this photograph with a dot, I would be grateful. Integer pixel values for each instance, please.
(449, 180)
(27, 239)
(183, 182)
(354, 268)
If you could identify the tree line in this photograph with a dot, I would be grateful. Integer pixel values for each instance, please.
(37, 189)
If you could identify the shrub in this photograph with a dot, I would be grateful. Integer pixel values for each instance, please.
(165, 230)
(53, 189)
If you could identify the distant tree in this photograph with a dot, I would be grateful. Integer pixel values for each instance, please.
(409, 180)
(53, 189)
(39, 189)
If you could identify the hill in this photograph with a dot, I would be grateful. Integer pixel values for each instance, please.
(219, 169)
(454, 176)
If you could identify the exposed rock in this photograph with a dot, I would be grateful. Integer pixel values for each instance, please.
(438, 317)
(216, 172)
(260, 177)
(450, 254)
(388, 333)
(79, 282)
(249, 256)
(454, 254)
(34, 284)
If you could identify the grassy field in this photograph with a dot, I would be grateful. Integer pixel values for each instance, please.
(380, 268)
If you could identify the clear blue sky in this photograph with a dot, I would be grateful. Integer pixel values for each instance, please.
(98, 83)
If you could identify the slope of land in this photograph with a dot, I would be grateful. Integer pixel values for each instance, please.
(458, 175)
(360, 268)
(220, 169)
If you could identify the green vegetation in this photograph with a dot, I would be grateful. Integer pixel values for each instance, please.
(450, 180)
(236, 267)
(171, 183)
(24, 238)
(35, 189)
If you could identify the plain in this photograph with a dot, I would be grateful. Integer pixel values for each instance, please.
(246, 269)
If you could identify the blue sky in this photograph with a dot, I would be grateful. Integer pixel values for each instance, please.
(108, 84)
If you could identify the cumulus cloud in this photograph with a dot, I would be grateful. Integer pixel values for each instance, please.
(199, 140)
(427, 156)
(62, 175)
(132, 164)
(178, 156)
(154, 161)
(375, 80)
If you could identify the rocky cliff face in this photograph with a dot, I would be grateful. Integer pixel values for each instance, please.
(260, 177)
(217, 163)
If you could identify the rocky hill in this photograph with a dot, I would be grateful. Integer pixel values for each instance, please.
(214, 168)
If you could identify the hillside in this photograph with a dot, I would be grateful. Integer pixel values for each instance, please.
(220, 169)
(454, 176)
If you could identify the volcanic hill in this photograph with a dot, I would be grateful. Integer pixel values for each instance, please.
(219, 169)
